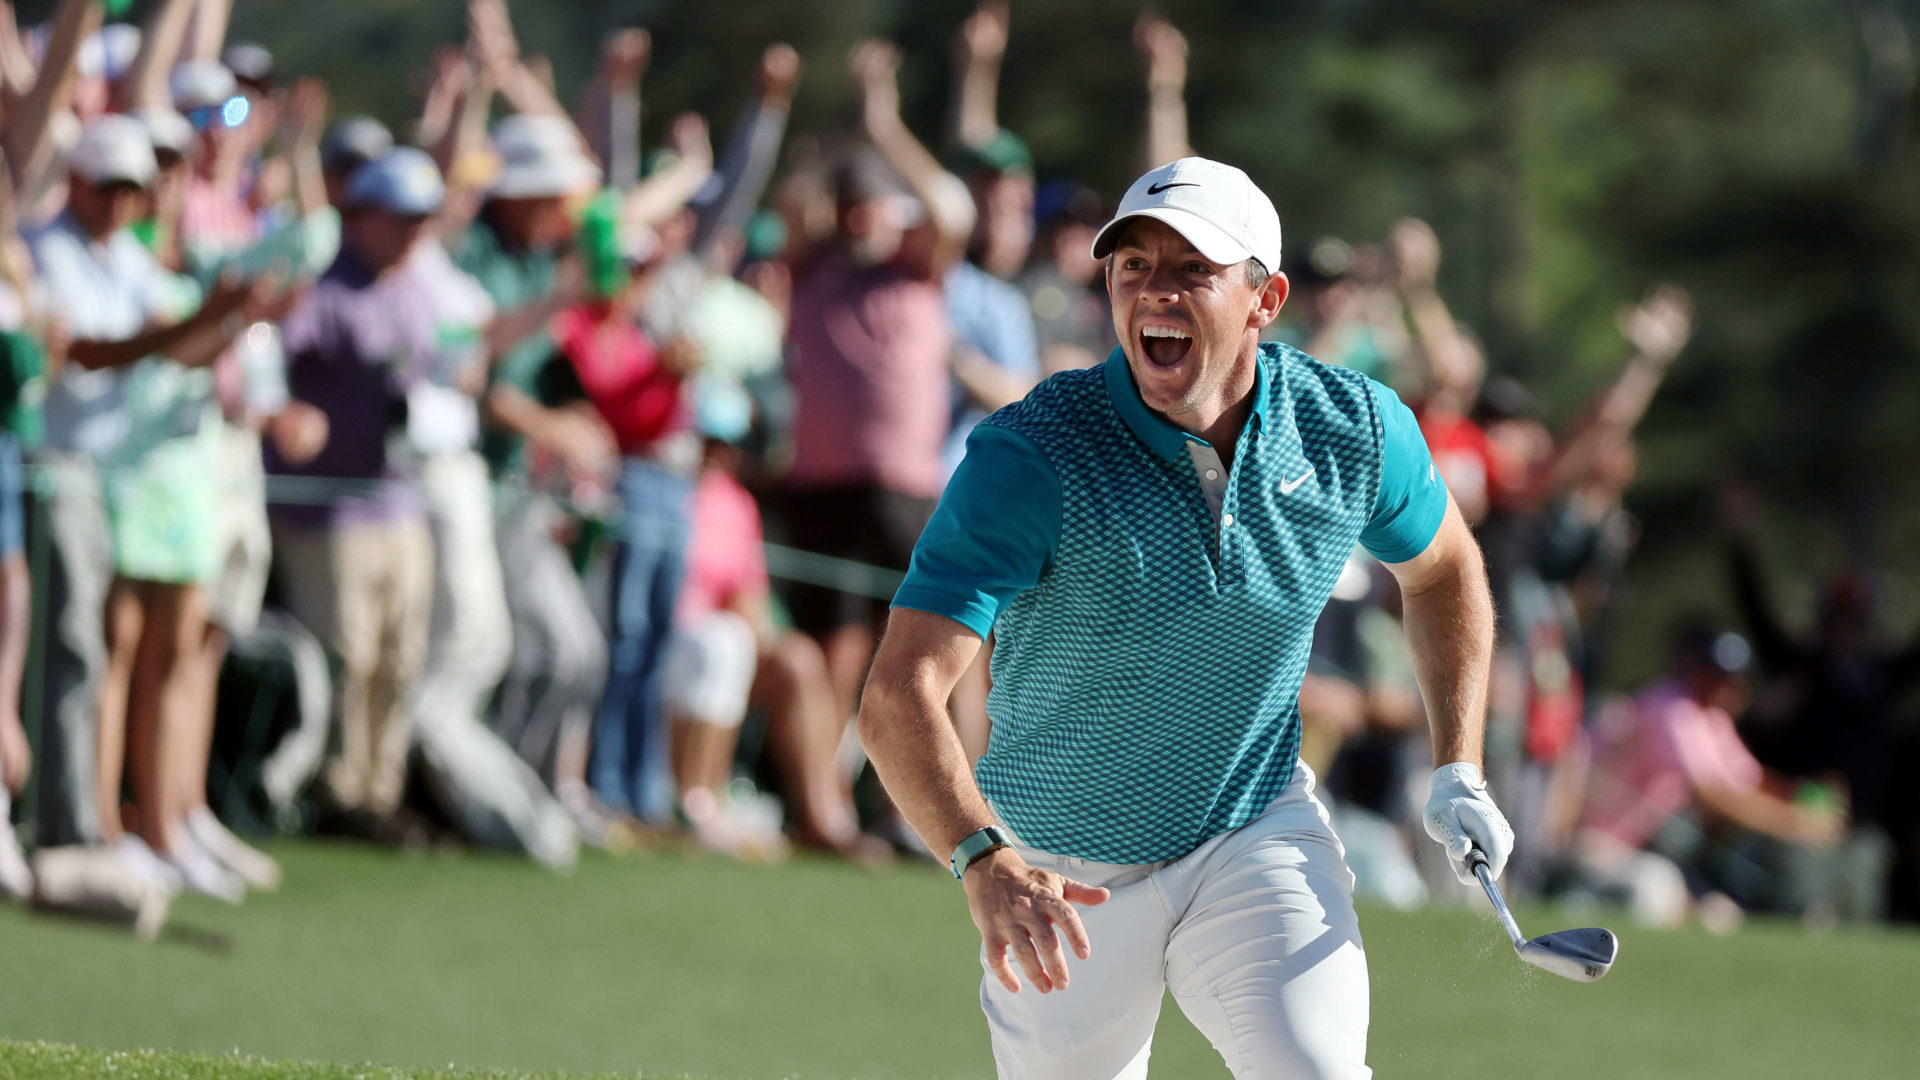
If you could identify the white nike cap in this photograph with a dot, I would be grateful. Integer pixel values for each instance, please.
(1215, 206)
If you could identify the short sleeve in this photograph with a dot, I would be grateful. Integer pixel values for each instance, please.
(996, 528)
(1413, 499)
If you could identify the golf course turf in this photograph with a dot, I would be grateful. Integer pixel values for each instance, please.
(467, 967)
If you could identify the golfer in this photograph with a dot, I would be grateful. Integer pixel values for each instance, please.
(1151, 540)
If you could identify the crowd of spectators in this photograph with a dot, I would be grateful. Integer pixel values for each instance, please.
(450, 452)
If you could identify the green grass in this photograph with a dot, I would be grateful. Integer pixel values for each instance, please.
(673, 965)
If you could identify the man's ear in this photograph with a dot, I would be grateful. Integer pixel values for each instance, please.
(1272, 297)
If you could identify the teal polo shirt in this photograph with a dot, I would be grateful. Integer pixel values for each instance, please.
(1153, 607)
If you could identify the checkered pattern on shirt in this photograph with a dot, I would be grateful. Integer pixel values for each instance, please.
(1146, 689)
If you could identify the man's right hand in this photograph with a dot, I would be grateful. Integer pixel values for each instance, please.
(1029, 910)
(298, 432)
(583, 444)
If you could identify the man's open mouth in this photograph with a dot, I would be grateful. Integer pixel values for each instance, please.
(1165, 346)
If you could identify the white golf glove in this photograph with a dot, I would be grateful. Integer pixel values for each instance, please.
(1461, 816)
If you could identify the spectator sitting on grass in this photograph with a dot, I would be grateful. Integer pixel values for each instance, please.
(1674, 751)
(728, 655)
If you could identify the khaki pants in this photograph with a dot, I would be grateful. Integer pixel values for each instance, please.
(367, 592)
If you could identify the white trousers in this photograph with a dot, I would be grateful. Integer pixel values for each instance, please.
(1255, 934)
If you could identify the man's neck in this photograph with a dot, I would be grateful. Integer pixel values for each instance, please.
(1220, 420)
(91, 230)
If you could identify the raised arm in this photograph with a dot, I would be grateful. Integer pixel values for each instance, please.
(28, 140)
(661, 195)
(1658, 327)
(491, 30)
(16, 66)
(302, 123)
(610, 108)
(875, 66)
(1164, 51)
(1416, 252)
(210, 20)
(978, 51)
(440, 106)
(161, 43)
(752, 150)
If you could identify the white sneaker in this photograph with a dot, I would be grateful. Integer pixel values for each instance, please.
(151, 867)
(16, 879)
(99, 883)
(255, 868)
(203, 873)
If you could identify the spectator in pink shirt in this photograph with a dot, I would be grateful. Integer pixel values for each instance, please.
(728, 655)
(868, 355)
(1674, 751)
(216, 222)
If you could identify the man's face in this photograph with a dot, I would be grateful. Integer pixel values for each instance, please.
(1188, 325)
(872, 229)
(104, 209)
(382, 238)
(1003, 231)
(537, 223)
(170, 183)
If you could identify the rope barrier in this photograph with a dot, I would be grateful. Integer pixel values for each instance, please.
(789, 564)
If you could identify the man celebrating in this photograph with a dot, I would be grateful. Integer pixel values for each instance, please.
(1151, 541)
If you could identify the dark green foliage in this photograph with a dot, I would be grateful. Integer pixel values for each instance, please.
(1568, 154)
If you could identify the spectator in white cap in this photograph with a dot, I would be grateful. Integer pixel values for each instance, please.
(252, 67)
(358, 566)
(115, 299)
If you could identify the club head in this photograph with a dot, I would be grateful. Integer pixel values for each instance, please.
(1583, 955)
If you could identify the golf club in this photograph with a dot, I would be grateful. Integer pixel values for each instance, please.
(1583, 955)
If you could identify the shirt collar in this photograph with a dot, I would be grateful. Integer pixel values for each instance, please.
(1161, 436)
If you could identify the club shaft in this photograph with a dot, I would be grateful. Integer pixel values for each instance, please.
(1499, 903)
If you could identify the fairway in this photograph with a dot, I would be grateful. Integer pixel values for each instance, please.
(678, 965)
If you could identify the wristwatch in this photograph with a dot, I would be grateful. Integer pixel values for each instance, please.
(970, 849)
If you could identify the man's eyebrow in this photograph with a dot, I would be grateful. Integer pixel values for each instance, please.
(1185, 253)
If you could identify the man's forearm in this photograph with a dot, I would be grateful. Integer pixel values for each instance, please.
(174, 342)
(1450, 630)
(911, 741)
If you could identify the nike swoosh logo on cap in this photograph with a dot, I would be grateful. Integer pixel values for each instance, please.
(1155, 189)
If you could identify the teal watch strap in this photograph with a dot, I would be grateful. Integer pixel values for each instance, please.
(974, 846)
